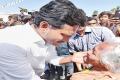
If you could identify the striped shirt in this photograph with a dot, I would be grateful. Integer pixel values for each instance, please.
(92, 37)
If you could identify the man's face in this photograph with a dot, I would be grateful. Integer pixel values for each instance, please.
(12, 21)
(56, 36)
(118, 28)
(92, 23)
(81, 31)
(104, 19)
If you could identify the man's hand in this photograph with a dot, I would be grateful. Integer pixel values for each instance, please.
(79, 57)
(81, 60)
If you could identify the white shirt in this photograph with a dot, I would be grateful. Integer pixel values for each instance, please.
(20, 48)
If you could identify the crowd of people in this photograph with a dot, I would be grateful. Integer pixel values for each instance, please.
(57, 41)
(18, 19)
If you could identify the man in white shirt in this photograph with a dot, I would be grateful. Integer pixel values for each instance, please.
(24, 49)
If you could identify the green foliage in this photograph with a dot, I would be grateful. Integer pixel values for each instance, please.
(23, 9)
(95, 12)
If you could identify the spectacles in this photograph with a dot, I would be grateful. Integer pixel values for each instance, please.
(91, 23)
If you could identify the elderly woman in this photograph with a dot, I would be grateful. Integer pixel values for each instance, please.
(105, 59)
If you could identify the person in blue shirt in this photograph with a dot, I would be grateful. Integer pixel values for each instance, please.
(87, 38)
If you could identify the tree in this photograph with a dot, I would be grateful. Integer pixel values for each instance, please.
(23, 9)
(118, 8)
(113, 10)
(95, 13)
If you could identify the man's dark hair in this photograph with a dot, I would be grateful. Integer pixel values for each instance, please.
(117, 14)
(91, 18)
(60, 12)
(105, 13)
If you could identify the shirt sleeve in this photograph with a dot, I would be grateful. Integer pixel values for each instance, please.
(55, 61)
(52, 56)
(107, 34)
(14, 64)
(71, 46)
(35, 77)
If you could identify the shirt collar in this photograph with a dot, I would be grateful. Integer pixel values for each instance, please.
(87, 29)
(35, 37)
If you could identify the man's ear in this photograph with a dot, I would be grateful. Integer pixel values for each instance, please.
(44, 28)
(44, 25)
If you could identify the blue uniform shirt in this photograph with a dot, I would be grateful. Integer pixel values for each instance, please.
(92, 37)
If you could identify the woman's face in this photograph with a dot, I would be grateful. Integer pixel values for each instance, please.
(94, 55)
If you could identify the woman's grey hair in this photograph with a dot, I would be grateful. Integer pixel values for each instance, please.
(111, 58)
